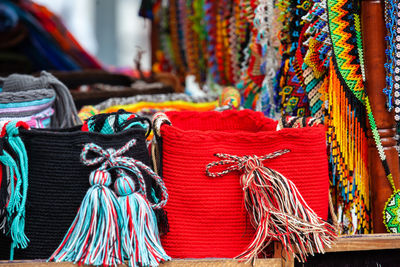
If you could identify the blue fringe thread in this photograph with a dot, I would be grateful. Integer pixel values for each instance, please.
(18, 185)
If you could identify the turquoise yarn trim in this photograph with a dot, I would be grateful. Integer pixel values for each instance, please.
(18, 193)
(20, 240)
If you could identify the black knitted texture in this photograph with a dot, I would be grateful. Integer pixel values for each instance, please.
(58, 182)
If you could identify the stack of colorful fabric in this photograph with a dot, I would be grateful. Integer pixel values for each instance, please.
(34, 39)
(148, 105)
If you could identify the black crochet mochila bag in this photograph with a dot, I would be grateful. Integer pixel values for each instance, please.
(58, 181)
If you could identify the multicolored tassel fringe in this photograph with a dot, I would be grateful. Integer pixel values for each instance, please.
(109, 230)
(141, 223)
(277, 209)
(94, 236)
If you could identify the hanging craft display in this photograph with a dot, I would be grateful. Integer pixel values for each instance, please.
(320, 74)
(223, 43)
(290, 81)
(322, 58)
(317, 58)
(352, 77)
(391, 26)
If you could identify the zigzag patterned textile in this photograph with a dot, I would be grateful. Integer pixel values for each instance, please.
(316, 60)
(290, 84)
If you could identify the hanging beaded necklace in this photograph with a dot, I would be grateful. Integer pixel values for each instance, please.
(392, 206)
(351, 74)
(392, 66)
(176, 41)
(264, 15)
(316, 60)
(250, 75)
(226, 15)
(210, 19)
(390, 18)
(292, 95)
(165, 39)
(234, 43)
(347, 118)
(191, 40)
(199, 28)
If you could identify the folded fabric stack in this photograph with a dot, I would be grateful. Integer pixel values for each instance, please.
(154, 98)
(148, 105)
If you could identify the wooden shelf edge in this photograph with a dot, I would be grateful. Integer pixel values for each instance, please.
(343, 244)
(366, 242)
(273, 262)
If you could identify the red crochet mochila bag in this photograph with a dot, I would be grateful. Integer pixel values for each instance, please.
(221, 206)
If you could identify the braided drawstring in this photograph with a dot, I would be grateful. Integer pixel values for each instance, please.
(111, 158)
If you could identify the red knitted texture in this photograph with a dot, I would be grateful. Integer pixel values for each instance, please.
(207, 217)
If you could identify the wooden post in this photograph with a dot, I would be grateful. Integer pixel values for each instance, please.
(374, 31)
(154, 40)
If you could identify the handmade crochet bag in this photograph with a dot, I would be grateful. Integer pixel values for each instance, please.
(41, 102)
(59, 165)
(217, 165)
(33, 106)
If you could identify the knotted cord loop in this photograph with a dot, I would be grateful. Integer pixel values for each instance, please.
(107, 156)
(248, 163)
(111, 158)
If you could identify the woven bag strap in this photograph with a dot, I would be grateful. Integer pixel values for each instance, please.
(158, 120)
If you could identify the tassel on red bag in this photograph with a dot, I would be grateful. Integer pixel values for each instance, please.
(276, 207)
